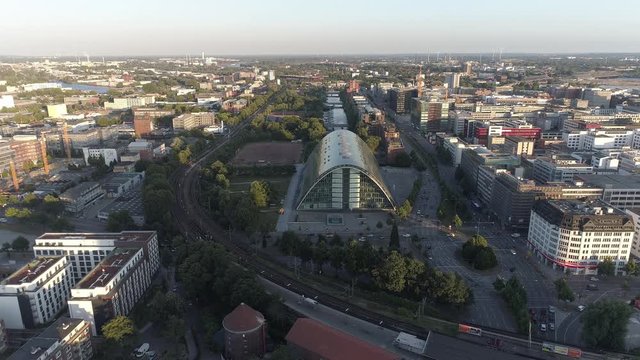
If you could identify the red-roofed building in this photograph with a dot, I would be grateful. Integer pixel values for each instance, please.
(244, 333)
(309, 339)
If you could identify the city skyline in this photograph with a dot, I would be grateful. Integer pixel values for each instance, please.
(72, 28)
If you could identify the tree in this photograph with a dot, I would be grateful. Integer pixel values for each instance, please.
(606, 267)
(564, 291)
(391, 274)
(259, 193)
(484, 259)
(405, 210)
(20, 244)
(604, 324)
(457, 222)
(119, 221)
(632, 268)
(118, 329)
(394, 241)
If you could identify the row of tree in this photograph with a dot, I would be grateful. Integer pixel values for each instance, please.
(516, 297)
(389, 271)
(46, 212)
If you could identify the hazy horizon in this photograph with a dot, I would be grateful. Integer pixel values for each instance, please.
(331, 28)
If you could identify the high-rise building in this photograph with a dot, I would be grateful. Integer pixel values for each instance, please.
(65, 339)
(468, 68)
(576, 235)
(400, 99)
(427, 114)
(35, 293)
(453, 81)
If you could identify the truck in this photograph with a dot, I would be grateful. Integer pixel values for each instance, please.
(411, 343)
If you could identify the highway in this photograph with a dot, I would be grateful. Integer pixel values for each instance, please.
(196, 224)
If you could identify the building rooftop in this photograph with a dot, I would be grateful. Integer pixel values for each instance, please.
(34, 348)
(593, 215)
(122, 237)
(243, 319)
(612, 181)
(31, 271)
(107, 269)
(78, 190)
(332, 344)
(131, 202)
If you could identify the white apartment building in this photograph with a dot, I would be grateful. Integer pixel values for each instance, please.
(65, 339)
(109, 155)
(596, 139)
(193, 120)
(36, 293)
(112, 288)
(57, 111)
(576, 235)
(86, 250)
(635, 246)
(129, 102)
(6, 101)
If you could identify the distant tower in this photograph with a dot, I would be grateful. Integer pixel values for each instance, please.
(419, 82)
(203, 56)
(14, 176)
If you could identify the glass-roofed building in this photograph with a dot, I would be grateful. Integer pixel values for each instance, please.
(342, 174)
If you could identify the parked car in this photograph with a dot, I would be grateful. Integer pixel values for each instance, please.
(543, 327)
(552, 326)
(593, 278)
(581, 308)
(592, 287)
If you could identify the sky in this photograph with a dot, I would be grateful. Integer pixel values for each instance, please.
(305, 27)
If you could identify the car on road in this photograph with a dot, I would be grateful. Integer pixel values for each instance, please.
(552, 326)
(515, 235)
(581, 308)
(407, 235)
(3, 220)
(513, 251)
(593, 278)
(592, 287)
(552, 310)
(543, 327)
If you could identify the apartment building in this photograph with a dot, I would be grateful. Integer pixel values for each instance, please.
(193, 120)
(559, 168)
(110, 156)
(576, 235)
(112, 288)
(35, 293)
(27, 151)
(86, 250)
(65, 339)
(472, 159)
(400, 99)
(635, 245)
(427, 114)
(518, 145)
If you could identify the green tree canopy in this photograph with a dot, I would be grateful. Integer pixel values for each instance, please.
(119, 221)
(563, 290)
(118, 329)
(604, 324)
(607, 267)
(391, 274)
(259, 193)
(20, 244)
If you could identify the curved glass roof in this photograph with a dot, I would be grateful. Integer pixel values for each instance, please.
(341, 148)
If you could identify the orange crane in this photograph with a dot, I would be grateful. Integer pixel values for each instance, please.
(43, 149)
(14, 175)
(66, 141)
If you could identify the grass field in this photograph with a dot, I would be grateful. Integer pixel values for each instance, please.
(268, 153)
(279, 184)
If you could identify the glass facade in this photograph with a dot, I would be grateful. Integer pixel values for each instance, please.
(342, 174)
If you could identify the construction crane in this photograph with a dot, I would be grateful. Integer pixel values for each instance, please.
(66, 141)
(14, 176)
(43, 150)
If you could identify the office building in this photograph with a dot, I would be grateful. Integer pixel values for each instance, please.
(27, 151)
(342, 174)
(112, 288)
(245, 332)
(628, 162)
(57, 111)
(117, 184)
(65, 339)
(472, 159)
(635, 245)
(481, 132)
(86, 250)
(35, 293)
(6, 101)
(454, 146)
(513, 198)
(597, 97)
(518, 145)
(596, 139)
(81, 196)
(41, 86)
(576, 235)
(110, 156)
(400, 99)
(621, 191)
(310, 339)
(427, 115)
(193, 120)
(559, 168)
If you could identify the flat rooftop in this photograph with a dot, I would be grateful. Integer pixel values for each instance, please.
(107, 269)
(131, 202)
(612, 181)
(121, 236)
(31, 271)
(580, 207)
